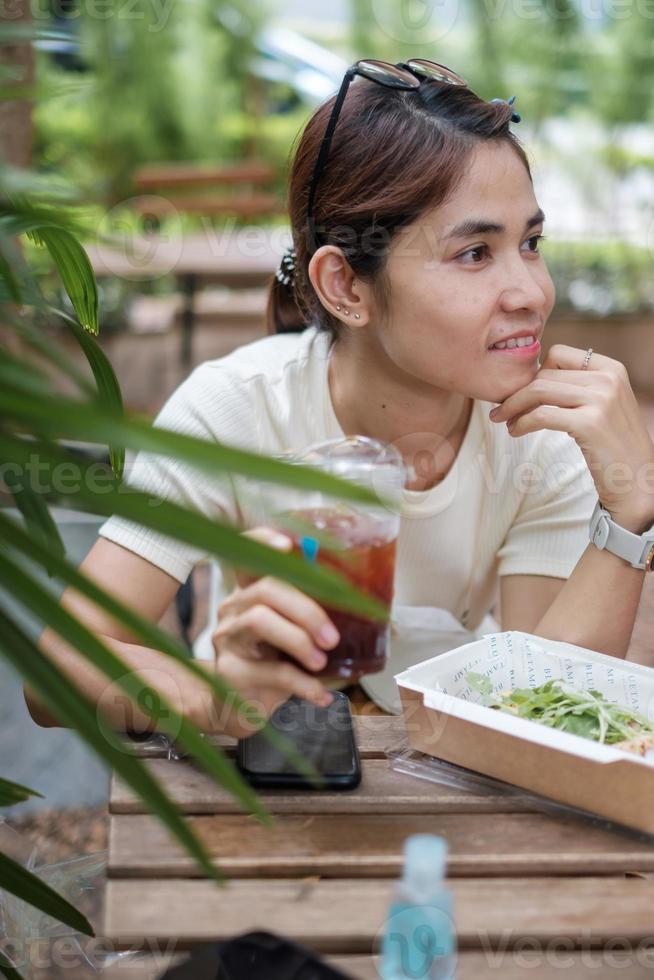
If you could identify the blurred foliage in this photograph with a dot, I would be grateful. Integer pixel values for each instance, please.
(556, 55)
(601, 277)
(162, 83)
(172, 82)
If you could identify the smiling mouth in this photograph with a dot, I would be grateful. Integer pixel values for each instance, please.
(515, 343)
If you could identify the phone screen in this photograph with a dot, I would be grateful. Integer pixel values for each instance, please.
(324, 736)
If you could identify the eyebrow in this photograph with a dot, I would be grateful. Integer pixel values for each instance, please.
(477, 226)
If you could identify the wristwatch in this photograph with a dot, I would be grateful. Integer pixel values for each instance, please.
(637, 549)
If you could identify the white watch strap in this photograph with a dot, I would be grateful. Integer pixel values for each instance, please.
(637, 549)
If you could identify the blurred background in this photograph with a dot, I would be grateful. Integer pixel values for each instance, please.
(172, 121)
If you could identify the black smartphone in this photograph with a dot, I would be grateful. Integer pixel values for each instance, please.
(324, 737)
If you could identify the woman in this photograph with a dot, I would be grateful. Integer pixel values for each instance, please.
(414, 301)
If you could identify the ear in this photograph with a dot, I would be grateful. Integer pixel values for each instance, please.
(340, 292)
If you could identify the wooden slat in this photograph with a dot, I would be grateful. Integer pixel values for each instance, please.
(346, 845)
(374, 734)
(349, 916)
(491, 965)
(182, 175)
(382, 790)
(247, 205)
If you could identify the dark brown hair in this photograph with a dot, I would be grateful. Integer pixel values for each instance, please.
(395, 154)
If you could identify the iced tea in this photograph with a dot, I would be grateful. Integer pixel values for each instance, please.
(364, 554)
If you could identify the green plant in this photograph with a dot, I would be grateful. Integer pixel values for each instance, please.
(37, 422)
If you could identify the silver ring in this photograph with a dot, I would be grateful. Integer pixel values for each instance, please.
(587, 357)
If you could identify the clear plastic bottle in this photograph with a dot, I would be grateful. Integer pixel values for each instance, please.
(420, 939)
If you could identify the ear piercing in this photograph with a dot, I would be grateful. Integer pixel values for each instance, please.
(357, 316)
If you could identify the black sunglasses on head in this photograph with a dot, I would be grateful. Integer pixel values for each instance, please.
(404, 75)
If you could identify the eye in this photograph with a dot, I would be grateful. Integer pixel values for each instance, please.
(474, 256)
(533, 243)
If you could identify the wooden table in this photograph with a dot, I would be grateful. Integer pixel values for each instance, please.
(534, 893)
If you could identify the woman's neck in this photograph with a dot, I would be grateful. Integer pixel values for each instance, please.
(427, 425)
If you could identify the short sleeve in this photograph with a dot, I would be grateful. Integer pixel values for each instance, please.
(550, 531)
(208, 405)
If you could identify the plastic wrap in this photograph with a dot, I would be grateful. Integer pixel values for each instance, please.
(155, 746)
(410, 762)
(39, 946)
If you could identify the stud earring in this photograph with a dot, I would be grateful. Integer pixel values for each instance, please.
(338, 306)
(347, 312)
(357, 316)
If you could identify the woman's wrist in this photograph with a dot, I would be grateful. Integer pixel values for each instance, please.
(636, 516)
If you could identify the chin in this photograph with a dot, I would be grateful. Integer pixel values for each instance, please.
(497, 390)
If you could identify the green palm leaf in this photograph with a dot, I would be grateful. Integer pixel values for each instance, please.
(149, 633)
(67, 419)
(7, 970)
(66, 702)
(31, 594)
(75, 270)
(8, 277)
(39, 342)
(109, 393)
(19, 881)
(218, 539)
(34, 510)
(12, 793)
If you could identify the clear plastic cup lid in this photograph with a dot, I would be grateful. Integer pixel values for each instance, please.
(352, 456)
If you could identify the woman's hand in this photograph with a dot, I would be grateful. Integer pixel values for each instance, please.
(258, 619)
(597, 407)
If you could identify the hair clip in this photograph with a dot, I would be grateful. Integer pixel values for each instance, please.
(515, 116)
(286, 271)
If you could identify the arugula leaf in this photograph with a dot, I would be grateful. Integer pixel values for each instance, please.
(479, 683)
(584, 713)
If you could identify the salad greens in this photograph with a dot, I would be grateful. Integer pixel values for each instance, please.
(585, 713)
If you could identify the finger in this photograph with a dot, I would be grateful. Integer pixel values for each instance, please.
(583, 378)
(263, 686)
(284, 678)
(264, 535)
(288, 679)
(264, 625)
(560, 356)
(271, 537)
(541, 392)
(570, 420)
(294, 605)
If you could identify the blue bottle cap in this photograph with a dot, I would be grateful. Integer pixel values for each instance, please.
(425, 860)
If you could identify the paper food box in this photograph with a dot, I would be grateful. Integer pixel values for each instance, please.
(444, 718)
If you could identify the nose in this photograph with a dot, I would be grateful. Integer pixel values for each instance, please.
(524, 288)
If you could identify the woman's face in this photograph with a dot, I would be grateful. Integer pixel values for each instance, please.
(467, 276)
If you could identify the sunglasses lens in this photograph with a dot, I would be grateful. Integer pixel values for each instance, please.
(437, 73)
(379, 71)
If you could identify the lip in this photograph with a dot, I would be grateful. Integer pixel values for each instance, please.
(525, 352)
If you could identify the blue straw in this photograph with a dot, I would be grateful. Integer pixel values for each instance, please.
(310, 548)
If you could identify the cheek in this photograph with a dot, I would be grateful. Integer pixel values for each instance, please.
(436, 329)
